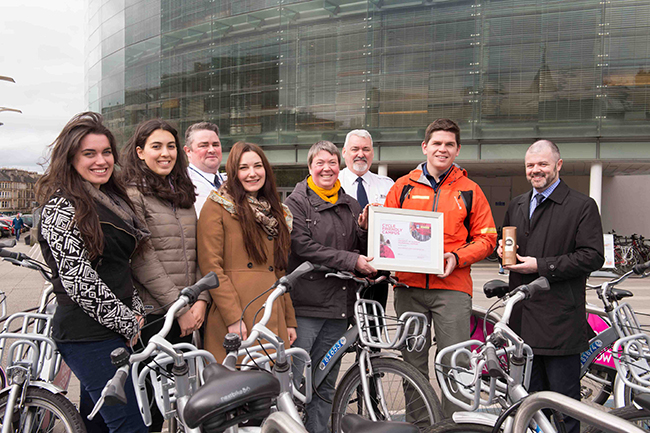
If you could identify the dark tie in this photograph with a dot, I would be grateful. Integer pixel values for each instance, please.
(362, 197)
(538, 199)
(217, 181)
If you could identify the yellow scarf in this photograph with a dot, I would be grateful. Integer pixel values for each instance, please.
(330, 195)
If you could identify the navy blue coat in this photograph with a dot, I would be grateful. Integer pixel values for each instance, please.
(566, 236)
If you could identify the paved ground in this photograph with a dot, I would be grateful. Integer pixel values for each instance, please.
(23, 288)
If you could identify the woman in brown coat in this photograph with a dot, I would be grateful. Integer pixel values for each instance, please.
(244, 236)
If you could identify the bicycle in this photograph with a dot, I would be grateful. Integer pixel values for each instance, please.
(598, 371)
(215, 397)
(379, 385)
(368, 386)
(506, 386)
(37, 375)
(172, 391)
(502, 344)
(598, 367)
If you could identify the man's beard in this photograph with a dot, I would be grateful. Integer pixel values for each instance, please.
(360, 165)
(547, 180)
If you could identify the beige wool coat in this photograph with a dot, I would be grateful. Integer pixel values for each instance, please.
(167, 262)
(220, 247)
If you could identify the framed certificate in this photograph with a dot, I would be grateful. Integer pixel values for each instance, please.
(406, 240)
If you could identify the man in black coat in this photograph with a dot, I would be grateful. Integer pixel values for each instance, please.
(560, 237)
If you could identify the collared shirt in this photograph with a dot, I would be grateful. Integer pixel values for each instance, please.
(546, 193)
(204, 183)
(376, 186)
(431, 179)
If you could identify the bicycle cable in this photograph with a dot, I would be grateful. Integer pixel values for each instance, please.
(241, 319)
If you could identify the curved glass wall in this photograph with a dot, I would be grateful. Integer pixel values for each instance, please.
(286, 73)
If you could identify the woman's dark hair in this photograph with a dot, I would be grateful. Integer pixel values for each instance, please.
(252, 234)
(60, 176)
(176, 188)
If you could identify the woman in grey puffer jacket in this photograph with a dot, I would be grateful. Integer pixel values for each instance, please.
(163, 196)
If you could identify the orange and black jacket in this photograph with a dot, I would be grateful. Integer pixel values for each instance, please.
(469, 230)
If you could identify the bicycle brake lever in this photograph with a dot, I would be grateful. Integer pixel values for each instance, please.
(342, 275)
(96, 409)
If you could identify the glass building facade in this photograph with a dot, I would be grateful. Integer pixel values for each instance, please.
(286, 73)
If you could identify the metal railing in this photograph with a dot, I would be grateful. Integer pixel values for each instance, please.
(573, 408)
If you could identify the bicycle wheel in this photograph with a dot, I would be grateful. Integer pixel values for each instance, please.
(449, 426)
(392, 379)
(638, 417)
(44, 412)
(597, 384)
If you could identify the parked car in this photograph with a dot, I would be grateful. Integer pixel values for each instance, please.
(5, 230)
(29, 220)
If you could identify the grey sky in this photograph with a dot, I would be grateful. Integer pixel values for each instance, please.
(43, 50)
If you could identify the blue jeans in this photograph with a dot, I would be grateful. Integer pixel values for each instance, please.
(317, 336)
(91, 363)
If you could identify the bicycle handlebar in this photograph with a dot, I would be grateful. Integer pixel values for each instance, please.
(492, 362)
(12, 255)
(363, 281)
(288, 280)
(539, 285)
(640, 268)
(208, 282)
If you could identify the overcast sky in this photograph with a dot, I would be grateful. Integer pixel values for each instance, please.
(42, 48)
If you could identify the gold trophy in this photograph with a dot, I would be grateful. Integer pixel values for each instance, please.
(509, 246)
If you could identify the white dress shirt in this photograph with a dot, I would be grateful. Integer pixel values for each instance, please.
(376, 186)
(204, 183)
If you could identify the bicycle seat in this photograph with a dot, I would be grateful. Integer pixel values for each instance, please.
(230, 397)
(621, 293)
(496, 288)
(353, 423)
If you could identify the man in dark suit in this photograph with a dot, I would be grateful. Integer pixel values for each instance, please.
(560, 237)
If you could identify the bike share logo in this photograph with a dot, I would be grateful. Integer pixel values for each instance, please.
(245, 390)
(337, 346)
(592, 348)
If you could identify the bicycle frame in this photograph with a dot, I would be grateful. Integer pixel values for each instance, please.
(336, 352)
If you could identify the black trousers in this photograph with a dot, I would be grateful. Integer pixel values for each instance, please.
(378, 292)
(559, 374)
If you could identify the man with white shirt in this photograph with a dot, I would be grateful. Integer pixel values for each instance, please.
(203, 149)
(365, 186)
(358, 154)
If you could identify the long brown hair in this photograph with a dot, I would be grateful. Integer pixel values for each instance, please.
(176, 188)
(60, 176)
(269, 191)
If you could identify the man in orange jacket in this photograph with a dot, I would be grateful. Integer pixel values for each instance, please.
(439, 185)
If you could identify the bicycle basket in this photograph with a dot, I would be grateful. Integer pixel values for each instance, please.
(31, 346)
(378, 331)
(163, 382)
(626, 322)
(632, 361)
